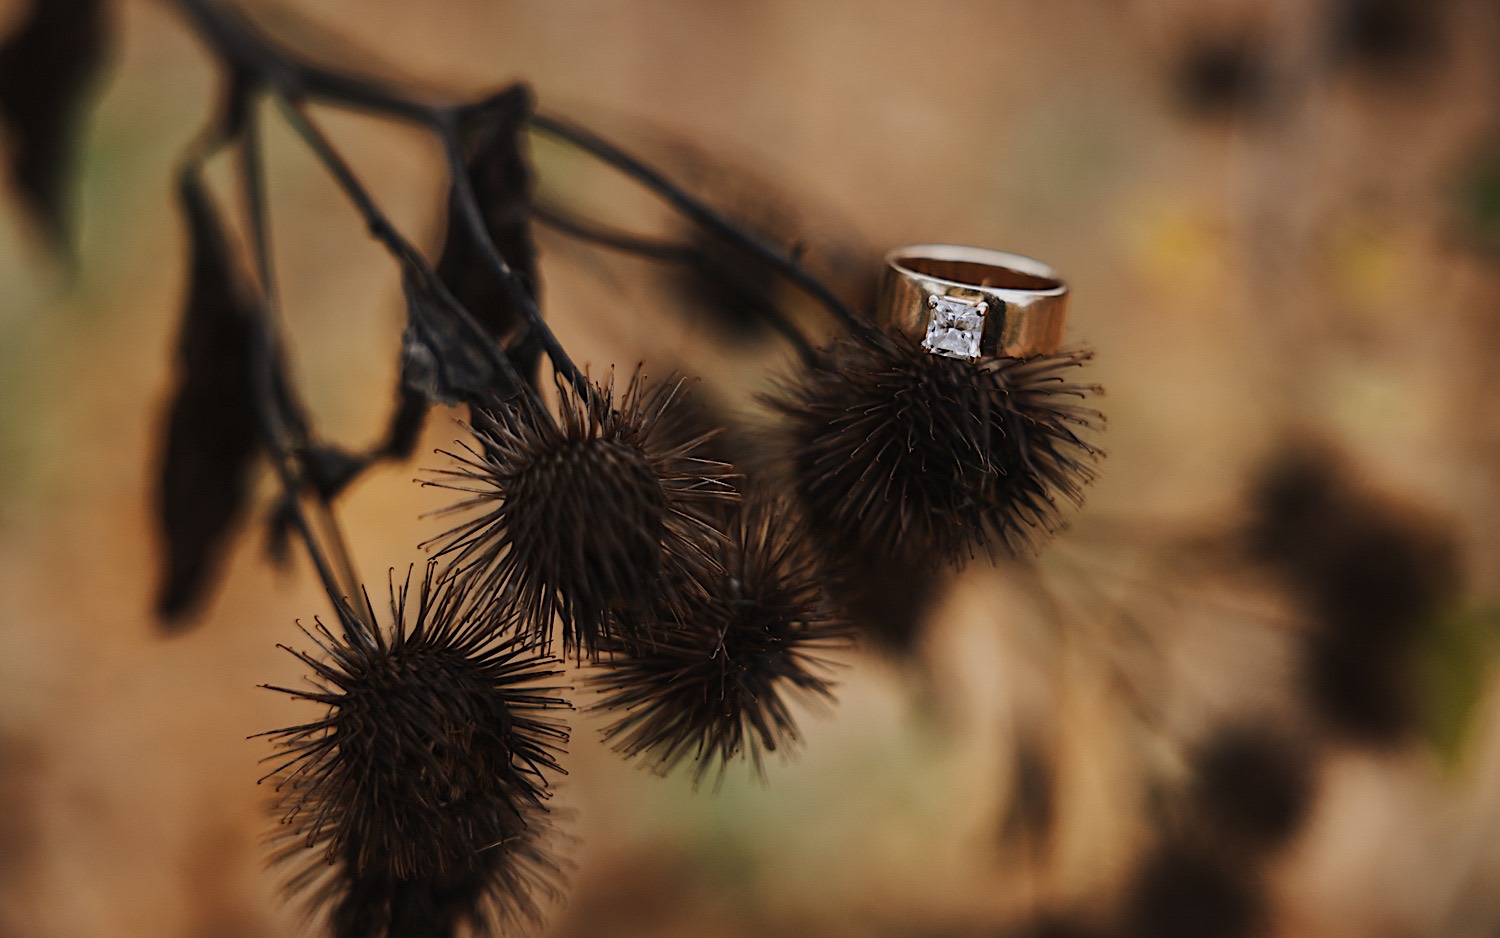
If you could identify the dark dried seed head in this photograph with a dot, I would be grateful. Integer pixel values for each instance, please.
(1252, 786)
(425, 780)
(1183, 890)
(719, 683)
(589, 518)
(1373, 576)
(504, 892)
(888, 599)
(895, 450)
(1363, 563)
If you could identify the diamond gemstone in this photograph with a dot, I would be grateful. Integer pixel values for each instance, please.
(955, 327)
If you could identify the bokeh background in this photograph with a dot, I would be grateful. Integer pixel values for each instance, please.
(1281, 223)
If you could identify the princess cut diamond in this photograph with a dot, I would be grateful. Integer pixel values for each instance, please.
(955, 327)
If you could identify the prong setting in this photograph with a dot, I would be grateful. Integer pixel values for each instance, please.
(955, 327)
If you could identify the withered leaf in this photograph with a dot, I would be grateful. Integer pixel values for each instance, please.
(328, 471)
(330, 468)
(45, 68)
(212, 435)
(406, 423)
(440, 361)
(491, 133)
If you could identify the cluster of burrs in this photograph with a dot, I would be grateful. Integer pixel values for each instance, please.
(597, 527)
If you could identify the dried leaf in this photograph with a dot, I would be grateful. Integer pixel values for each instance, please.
(492, 135)
(45, 68)
(212, 435)
(440, 363)
(331, 469)
(406, 424)
(439, 359)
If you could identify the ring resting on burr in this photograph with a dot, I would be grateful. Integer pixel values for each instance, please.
(970, 303)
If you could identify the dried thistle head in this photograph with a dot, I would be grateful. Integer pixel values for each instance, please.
(423, 787)
(897, 451)
(1252, 786)
(1372, 574)
(590, 518)
(720, 681)
(1184, 889)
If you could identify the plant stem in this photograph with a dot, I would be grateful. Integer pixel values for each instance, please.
(284, 429)
(250, 53)
(244, 49)
(247, 52)
(668, 252)
(595, 145)
(466, 204)
(395, 243)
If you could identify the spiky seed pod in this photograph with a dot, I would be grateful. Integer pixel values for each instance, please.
(903, 460)
(422, 788)
(591, 518)
(498, 896)
(720, 682)
(897, 450)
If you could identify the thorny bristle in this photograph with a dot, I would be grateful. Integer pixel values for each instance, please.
(590, 519)
(897, 450)
(720, 682)
(423, 787)
(503, 892)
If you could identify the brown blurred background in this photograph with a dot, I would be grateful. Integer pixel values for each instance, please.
(1280, 220)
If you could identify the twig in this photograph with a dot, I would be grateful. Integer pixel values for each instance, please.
(278, 70)
(249, 53)
(601, 149)
(466, 203)
(284, 431)
(395, 243)
(668, 252)
(244, 49)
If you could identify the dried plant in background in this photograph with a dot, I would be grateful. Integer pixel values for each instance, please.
(46, 66)
(417, 804)
(1373, 577)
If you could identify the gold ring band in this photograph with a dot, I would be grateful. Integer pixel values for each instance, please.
(968, 303)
